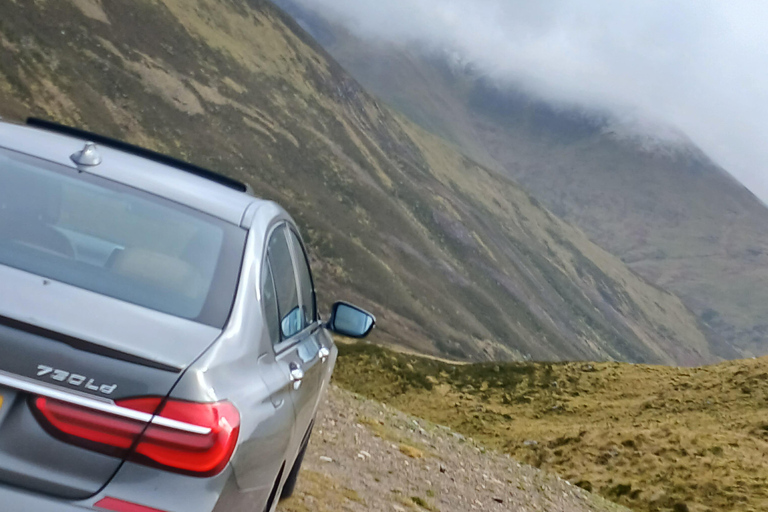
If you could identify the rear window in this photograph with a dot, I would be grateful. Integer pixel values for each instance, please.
(102, 236)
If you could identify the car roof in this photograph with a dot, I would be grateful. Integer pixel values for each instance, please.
(174, 183)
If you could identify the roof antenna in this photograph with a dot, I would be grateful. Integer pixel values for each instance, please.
(88, 156)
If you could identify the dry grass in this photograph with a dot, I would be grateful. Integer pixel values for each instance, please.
(328, 495)
(424, 503)
(649, 437)
(407, 446)
(410, 451)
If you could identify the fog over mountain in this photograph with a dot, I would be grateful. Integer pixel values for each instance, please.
(699, 67)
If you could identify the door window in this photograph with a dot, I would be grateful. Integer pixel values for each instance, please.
(292, 319)
(305, 279)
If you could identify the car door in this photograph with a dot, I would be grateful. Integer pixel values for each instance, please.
(268, 435)
(317, 343)
(298, 350)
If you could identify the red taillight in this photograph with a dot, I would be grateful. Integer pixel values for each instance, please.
(205, 454)
(194, 438)
(123, 506)
(115, 431)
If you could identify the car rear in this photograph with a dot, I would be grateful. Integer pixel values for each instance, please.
(108, 292)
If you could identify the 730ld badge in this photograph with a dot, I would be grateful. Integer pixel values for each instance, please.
(73, 379)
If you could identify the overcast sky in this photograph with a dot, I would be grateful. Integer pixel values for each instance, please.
(699, 65)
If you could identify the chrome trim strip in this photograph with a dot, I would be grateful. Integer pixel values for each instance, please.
(95, 403)
(178, 425)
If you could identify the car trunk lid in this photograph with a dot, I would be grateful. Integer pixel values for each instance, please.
(61, 342)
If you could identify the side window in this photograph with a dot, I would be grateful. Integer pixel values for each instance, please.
(305, 279)
(279, 255)
(270, 304)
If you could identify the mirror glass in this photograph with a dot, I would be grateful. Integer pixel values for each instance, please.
(292, 322)
(351, 321)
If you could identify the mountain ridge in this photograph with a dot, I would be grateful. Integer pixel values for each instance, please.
(454, 258)
(673, 215)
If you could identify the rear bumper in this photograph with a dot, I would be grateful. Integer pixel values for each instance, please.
(18, 500)
(152, 488)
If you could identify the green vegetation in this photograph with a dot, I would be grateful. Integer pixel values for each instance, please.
(650, 437)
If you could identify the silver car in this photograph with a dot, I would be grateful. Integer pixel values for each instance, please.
(160, 345)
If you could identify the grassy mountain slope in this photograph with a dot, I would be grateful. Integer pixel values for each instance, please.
(669, 212)
(454, 259)
(650, 437)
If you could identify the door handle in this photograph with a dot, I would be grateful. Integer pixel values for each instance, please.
(297, 374)
(324, 353)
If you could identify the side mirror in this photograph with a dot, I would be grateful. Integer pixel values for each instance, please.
(351, 321)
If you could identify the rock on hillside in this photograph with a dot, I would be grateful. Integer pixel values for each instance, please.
(453, 258)
(365, 456)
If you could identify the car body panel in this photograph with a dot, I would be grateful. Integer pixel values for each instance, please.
(99, 320)
(19, 500)
(32, 459)
(304, 354)
(143, 352)
(168, 492)
(244, 367)
(237, 368)
(30, 456)
(241, 366)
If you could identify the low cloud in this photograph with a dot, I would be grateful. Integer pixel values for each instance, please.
(700, 66)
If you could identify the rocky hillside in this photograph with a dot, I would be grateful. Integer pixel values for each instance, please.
(365, 456)
(653, 438)
(454, 259)
(660, 204)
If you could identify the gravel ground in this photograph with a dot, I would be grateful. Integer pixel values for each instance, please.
(365, 456)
